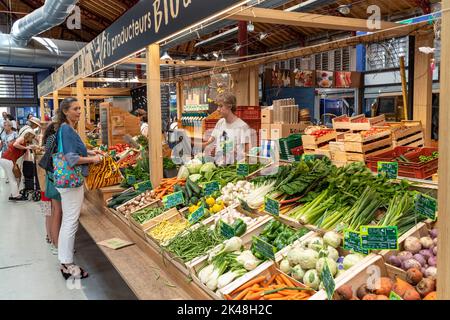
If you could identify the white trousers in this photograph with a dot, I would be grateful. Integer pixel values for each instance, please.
(8, 166)
(71, 200)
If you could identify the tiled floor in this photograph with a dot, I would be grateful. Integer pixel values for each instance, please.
(28, 270)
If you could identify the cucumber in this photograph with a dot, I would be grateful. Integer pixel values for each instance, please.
(188, 189)
(195, 188)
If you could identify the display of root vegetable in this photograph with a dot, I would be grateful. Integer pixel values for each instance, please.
(138, 203)
(418, 253)
(305, 260)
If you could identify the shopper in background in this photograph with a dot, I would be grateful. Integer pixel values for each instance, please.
(13, 121)
(144, 125)
(32, 123)
(7, 136)
(2, 120)
(53, 221)
(231, 135)
(9, 160)
(76, 154)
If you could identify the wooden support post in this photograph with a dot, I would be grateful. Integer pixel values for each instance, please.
(180, 99)
(423, 85)
(88, 109)
(42, 109)
(80, 98)
(443, 272)
(253, 81)
(55, 101)
(154, 110)
(404, 87)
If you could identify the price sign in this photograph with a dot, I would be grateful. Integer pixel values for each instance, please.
(226, 230)
(352, 242)
(131, 179)
(113, 153)
(143, 186)
(309, 157)
(264, 248)
(328, 281)
(394, 296)
(426, 206)
(379, 238)
(172, 200)
(389, 168)
(243, 169)
(211, 187)
(195, 216)
(272, 206)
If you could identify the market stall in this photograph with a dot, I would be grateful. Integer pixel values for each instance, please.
(295, 230)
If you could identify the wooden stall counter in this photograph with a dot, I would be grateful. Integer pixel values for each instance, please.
(143, 268)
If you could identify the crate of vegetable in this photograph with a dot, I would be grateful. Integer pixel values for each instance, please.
(360, 285)
(304, 259)
(418, 249)
(316, 138)
(407, 133)
(139, 202)
(342, 122)
(268, 283)
(363, 123)
(418, 163)
(142, 219)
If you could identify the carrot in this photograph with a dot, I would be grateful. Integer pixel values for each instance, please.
(287, 281)
(279, 280)
(255, 296)
(249, 284)
(273, 296)
(272, 278)
(227, 296)
(242, 294)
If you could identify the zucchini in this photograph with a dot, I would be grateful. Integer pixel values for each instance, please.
(195, 188)
(188, 189)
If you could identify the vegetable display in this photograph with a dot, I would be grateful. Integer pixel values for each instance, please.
(138, 202)
(167, 230)
(239, 221)
(231, 193)
(275, 287)
(194, 243)
(147, 214)
(168, 186)
(278, 235)
(305, 260)
(120, 198)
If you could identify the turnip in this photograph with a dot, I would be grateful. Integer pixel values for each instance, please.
(412, 244)
(426, 253)
(421, 259)
(426, 242)
(432, 262)
(435, 251)
(405, 255)
(395, 261)
(332, 266)
(297, 273)
(431, 272)
(411, 263)
(285, 266)
(332, 238)
(434, 233)
(435, 241)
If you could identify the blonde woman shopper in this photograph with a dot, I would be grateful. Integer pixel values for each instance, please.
(76, 154)
(9, 160)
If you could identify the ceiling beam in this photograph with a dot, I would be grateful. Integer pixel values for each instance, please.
(308, 20)
(187, 63)
(115, 80)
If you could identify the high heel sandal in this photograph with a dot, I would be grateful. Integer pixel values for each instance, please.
(73, 271)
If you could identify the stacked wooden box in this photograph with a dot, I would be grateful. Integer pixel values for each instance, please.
(407, 134)
(318, 145)
(358, 146)
(358, 123)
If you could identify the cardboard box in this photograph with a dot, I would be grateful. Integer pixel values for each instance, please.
(266, 116)
(278, 131)
(265, 132)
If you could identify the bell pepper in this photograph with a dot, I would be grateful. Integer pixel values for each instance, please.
(239, 227)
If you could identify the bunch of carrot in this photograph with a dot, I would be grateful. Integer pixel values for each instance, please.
(278, 287)
(167, 186)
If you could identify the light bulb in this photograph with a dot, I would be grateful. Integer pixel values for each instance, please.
(250, 27)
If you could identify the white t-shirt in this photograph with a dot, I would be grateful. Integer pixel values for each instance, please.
(230, 137)
(144, 129)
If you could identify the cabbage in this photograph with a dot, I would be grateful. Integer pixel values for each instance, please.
(194, 166)
(183, 173)
(207, 167)
(195, 177)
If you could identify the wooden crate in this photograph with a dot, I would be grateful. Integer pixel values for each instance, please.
(361, 147)
(360, 275)
(130, 201)
(139, 228)
(325, 151)
(420, 230)
(117, 214)
(337, 146)
(371, 122)
(358, 147)
(267, 269)
(312, 143)
(339, 156)
(342, 125)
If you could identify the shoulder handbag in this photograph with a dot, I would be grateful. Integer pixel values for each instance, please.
(64, 175)
(46, 161)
